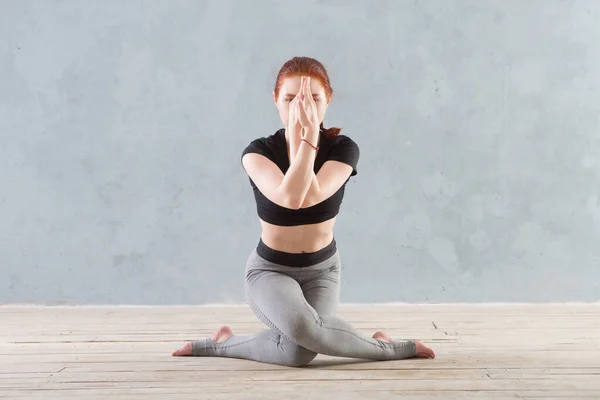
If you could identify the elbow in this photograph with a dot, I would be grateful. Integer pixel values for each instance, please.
(294, 203)
(288, 199)
(291, 201)
(297, 202)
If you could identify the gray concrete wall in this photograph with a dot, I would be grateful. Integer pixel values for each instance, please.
(122, 123)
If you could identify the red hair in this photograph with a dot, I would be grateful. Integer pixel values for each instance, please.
(306, 66)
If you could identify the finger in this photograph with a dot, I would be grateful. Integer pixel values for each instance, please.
(302, 88)
(299, 94)
(302, 91)
(298, 104)
(304, 103)
(312, 100)
(302, 112)
(299, 110)
(308, 92)
(306, 89)
(306, 95)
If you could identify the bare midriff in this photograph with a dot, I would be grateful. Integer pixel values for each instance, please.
(298, 239)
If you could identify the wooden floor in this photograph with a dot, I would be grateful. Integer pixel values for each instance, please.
(483, 351)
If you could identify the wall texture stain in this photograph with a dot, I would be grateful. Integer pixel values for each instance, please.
(122, 125)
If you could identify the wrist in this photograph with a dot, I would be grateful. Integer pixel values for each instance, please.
(310, 144)
(312, 135)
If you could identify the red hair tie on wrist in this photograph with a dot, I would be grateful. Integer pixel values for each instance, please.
(310, 144)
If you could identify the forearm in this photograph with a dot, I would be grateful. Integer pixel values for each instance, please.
(294, 146)
(313, 189)
(299, 177)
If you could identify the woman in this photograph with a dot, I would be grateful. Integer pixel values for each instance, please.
(293, 276)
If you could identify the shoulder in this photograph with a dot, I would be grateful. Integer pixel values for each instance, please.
(346, 150)
(266, 146)
(344, 145)
(344, 142)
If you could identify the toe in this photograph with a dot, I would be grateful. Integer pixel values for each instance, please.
(423, 351)
(186, 350)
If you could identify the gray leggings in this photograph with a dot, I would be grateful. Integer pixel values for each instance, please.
(298, 304)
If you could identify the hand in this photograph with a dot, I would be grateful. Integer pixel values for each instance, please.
(308, 114)
(294, 115)
(294, 127)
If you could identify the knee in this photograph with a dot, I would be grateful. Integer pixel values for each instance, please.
(298, 357)
(302, 329)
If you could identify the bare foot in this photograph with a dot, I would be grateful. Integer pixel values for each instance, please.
(383, 336)
(422, 350)
(220, 335)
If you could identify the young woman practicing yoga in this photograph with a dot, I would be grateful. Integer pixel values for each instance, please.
(298, 175)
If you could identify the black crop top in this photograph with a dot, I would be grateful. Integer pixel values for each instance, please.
(274, 147)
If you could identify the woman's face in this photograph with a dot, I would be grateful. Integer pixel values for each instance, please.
(288, 91)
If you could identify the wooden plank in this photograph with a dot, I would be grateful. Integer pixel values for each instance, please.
(301, 395)
(310, 374)
(289, 386)
(484, 351)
